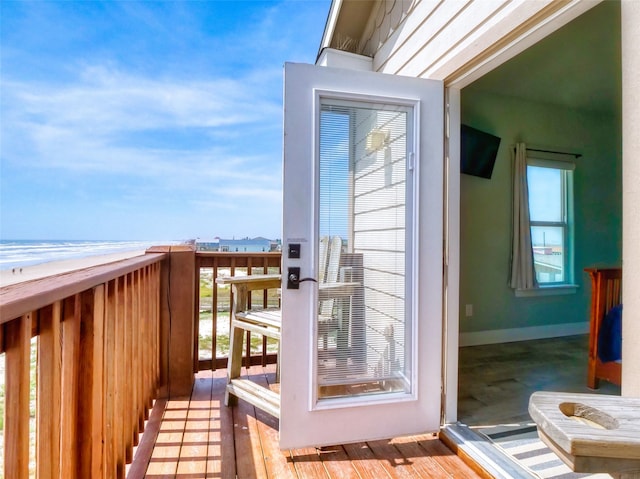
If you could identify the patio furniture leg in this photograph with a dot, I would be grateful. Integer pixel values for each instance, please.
(235, 361)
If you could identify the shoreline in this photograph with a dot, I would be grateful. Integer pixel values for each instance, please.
(51, 268)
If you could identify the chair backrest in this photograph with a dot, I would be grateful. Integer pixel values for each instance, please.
(606, 290)
(329, 263)
(333, 260)
(322, 258)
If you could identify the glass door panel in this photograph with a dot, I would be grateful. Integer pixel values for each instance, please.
(362, 328)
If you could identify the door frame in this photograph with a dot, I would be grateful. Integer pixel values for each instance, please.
(527, 27)
(535, 29)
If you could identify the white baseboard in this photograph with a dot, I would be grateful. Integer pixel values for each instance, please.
(494, 336)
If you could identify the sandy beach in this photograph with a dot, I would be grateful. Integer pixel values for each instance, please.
(37, 271)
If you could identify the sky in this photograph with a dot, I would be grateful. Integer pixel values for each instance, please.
(146, 120)
(546, 204)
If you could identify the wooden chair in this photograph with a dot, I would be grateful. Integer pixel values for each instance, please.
(329, 269)
(265, 322)
(606, 292)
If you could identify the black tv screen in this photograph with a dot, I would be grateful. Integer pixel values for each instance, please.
(478, 151)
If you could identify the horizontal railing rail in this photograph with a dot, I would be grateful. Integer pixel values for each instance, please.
(96, 368)
(231, 263)
(19, 298)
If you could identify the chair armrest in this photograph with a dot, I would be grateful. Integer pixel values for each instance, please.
(253, 281)
(243, 285)
(337, 290)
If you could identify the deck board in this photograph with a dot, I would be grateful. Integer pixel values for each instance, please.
(249, 460)
(145, 447)
(424, 464)
(166, 453)
(195, 441)
(365, 461)
(200, 437)
(445, 457)
(221, 461)
(337, 463)
(278, 464)
(394, 463)
(308, 464)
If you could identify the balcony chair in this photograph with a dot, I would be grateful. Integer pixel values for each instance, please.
(261, 321)
(329, 269)
(267, 322)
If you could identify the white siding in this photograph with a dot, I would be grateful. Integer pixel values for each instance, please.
(441, 39)
(379, 196)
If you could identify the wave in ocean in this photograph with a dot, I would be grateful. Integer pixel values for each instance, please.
(21, 253)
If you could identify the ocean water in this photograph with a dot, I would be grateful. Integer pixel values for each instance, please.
(21, 253)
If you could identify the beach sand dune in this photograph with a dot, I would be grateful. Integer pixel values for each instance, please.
(37, 271)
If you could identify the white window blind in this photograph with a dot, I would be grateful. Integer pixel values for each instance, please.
(363, 326)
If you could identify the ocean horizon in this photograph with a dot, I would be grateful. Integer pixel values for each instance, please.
(23, 253)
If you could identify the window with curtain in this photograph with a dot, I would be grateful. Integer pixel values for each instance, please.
(550, 185)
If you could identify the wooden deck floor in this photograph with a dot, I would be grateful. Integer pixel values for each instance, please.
(199, 437)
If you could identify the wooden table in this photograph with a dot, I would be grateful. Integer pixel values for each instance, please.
(590, 432)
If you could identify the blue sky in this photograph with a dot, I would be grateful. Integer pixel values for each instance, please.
(146, 120)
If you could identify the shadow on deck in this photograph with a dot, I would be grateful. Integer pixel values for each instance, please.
(199, 437)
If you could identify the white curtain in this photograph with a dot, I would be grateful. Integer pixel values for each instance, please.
(522, 271)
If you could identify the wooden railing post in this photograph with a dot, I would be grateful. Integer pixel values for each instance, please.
(16, 416)
(49, 392)
(91, 392)
(69, 385)
(176, 321)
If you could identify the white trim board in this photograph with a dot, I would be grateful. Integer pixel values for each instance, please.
(494, 336)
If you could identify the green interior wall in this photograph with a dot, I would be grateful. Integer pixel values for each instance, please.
(485, 214)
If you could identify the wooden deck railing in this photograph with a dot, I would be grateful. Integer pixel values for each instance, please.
(232, 263)
(97, 333)
(109, 340)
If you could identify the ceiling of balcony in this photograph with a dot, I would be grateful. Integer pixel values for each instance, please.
(578, 66)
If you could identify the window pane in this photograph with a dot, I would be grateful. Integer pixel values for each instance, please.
(363, 346)
(545, 193)
(548, 253)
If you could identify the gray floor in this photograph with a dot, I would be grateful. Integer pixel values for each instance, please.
(495, 381)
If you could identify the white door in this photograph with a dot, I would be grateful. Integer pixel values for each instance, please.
(363, 221)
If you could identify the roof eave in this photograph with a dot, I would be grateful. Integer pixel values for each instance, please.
(330, 25)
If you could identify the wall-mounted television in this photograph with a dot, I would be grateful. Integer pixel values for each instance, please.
(478, 151)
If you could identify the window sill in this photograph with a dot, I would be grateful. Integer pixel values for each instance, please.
(554, 290)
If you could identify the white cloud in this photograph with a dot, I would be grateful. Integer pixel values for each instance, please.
(84, 126)
(164, 115)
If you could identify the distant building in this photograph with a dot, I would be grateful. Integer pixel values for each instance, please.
(244, 245)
